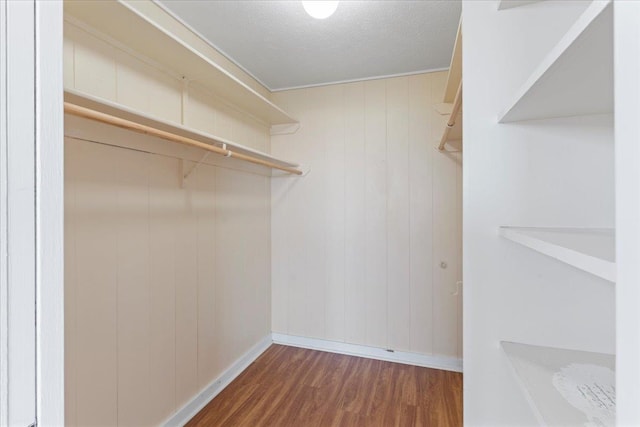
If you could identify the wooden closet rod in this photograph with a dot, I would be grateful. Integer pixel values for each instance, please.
(457, 103)
(88, 113)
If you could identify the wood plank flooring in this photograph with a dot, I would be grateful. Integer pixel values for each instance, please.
(288, 386)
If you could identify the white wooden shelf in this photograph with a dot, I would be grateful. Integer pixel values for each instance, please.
(454, 77)
(120, 111)
(565, 387)
(510, 4)
(576, 77)
(122, 23)
(452, 136)
(589, 249)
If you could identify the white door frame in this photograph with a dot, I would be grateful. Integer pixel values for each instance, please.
(31, 214)
(49, 213)
(627, 137)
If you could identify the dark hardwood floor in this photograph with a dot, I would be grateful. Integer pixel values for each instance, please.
(288, 386)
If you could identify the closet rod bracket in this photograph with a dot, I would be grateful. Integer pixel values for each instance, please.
(185, 176)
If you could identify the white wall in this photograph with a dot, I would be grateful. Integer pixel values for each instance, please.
(555, 173)
(165, 286)
(357, 244)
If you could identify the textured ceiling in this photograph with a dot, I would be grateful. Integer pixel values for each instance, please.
(283, 47)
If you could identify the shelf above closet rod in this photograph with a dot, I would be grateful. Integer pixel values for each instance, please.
(90, 114)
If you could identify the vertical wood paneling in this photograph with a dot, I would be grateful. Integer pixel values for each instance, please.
(199, 113)
(355, 229)
(143, 88)
(262, 213)
(257, 259)
(296, 293)
(445, 312)
(420, 210)
(458, 255)
(227, 205)
(312, 272)
(238, 133)
(207, 113)
(240, 246)
(249, 228)
(133, 287)
(262, 138)
(94, 65)
(335, 214)
(224, 122)
(280, 283)
(303, 219)
(283, 231)
(204, 202)
(264, 259)
(70, 286)
(398, 245)
(169, 293)
(394, 205)
(376, 213)
(446, 316)
(164, 208)
(186, 297)
(96, 292)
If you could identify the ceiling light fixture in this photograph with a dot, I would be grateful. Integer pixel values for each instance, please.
(320, 9)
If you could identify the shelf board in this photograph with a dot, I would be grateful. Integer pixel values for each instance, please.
(589, 249)
(120, 22)
(455, 68)
(510, 4)
(576, 77)
(565, 387)
(126, 113)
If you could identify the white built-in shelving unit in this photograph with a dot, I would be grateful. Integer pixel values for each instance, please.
(575, 78)
(125, 25)
(565, 387)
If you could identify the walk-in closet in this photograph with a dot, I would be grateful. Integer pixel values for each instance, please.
(319, 213)
(325, 218)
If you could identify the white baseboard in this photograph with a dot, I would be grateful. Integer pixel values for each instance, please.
(188, 411)
(427, 361)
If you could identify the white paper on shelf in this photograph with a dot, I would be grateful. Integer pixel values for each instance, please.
(565, 387)
(590, 389)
